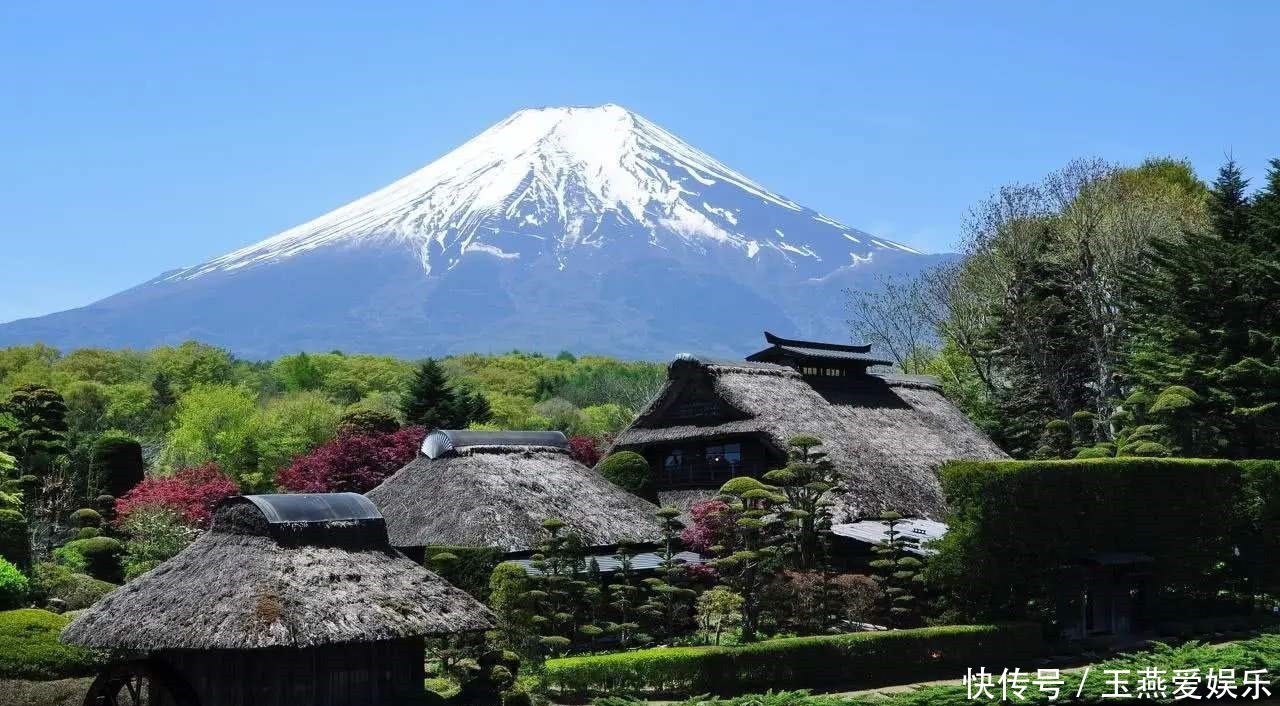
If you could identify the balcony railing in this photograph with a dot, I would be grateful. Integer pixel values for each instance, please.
(700, 474)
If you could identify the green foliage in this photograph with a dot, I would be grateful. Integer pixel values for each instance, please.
(509, 587)
(718, 608)
(29, 647)
(367, 421)
(1205, 347)
(13, 585)
(1016, 526)
(897, 570)
(213, 423)
(86, 517)
(626, 469)
(154, 535)
(15, 543)
(857, 660)
(37, 436)
(99, 557)
(116, 464)
(468, 568)
(76, 591)
(433, 403)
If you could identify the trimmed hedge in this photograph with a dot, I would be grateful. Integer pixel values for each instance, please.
(14, 542)
(1017, 526)
(97, 556)
(29, 647)
(76, 591)
(854, 660)
(467, 568)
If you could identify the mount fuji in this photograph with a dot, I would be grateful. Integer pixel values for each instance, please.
(587, 229)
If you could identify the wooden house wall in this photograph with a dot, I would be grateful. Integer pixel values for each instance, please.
(370, 674)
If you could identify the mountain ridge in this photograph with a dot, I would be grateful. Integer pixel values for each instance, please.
(593, 222)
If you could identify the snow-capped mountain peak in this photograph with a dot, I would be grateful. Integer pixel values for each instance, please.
(549, 181)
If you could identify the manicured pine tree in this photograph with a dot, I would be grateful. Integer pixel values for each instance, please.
(115, 464)
(756, 553)
(897, 571)
(625, 597)
(808, 482)
(670, 600)
(39, 435)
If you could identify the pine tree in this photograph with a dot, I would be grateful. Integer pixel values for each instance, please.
(669, 598)
(1205, 322)
(897, 571)
(39, 434)
(808, 482)
(430, 402)
(162, 388)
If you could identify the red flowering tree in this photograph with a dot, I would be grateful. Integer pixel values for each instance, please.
(584, 450)
(190, 493)
(710, 526)
(353, 463)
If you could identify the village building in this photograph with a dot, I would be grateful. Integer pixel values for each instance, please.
(288, 600)
(886, 433)
(496, 489)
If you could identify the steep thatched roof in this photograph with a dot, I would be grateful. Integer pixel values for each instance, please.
(257, 580)
(887, 433)
(499, 496)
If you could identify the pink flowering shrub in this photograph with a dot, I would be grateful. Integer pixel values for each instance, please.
(189, 493)
(353, 463)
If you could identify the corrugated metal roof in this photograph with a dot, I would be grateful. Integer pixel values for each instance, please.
(444, 441)
(875, 531)
(645, 561)
(314, 507)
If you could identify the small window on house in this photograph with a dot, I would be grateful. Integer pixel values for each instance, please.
(724, 456)
(809, 371)
(674, 459)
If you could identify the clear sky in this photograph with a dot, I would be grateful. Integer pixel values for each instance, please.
(140, 137)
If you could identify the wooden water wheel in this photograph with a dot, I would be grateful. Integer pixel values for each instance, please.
(140, 683)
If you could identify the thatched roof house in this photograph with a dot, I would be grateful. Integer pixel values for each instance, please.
(302, 591)
(888, 433)
(495, 489)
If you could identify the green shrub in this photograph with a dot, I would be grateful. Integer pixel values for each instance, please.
(76, 591)
(13, 585)
(88, 533)
(855, 660)
(29, 647)
(155, 535)
(469, 569)
(626, 469)
(116, 463)
(1016, 526)
(1094, 452)
(86, 517)
(15, 545)
(97, 556)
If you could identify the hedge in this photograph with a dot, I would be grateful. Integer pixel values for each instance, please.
(468, 568)
(854, 660)
(29, 647)
(1016, 526)
(1262, 653)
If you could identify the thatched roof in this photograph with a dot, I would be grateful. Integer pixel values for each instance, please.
(887, 433)
(499, 496)
(290, 580)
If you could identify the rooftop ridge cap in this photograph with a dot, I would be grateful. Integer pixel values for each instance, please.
(846, 347)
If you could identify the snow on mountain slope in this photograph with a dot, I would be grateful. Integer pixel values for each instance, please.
(588, 229)
(554, 179)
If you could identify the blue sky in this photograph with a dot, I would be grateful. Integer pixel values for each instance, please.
(140, 137)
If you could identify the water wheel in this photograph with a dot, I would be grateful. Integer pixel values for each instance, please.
(141, 683)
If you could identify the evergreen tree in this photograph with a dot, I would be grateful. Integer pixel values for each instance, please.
(1206, 344)
(430, 401)
(626, 598)
(38, 436)
(162, 388)
(754, 552)
(808, 481)
(897, 571)
(669, 597)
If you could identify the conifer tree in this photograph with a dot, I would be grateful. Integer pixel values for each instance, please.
(897, 571)
(807, 482)
(669, 597)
